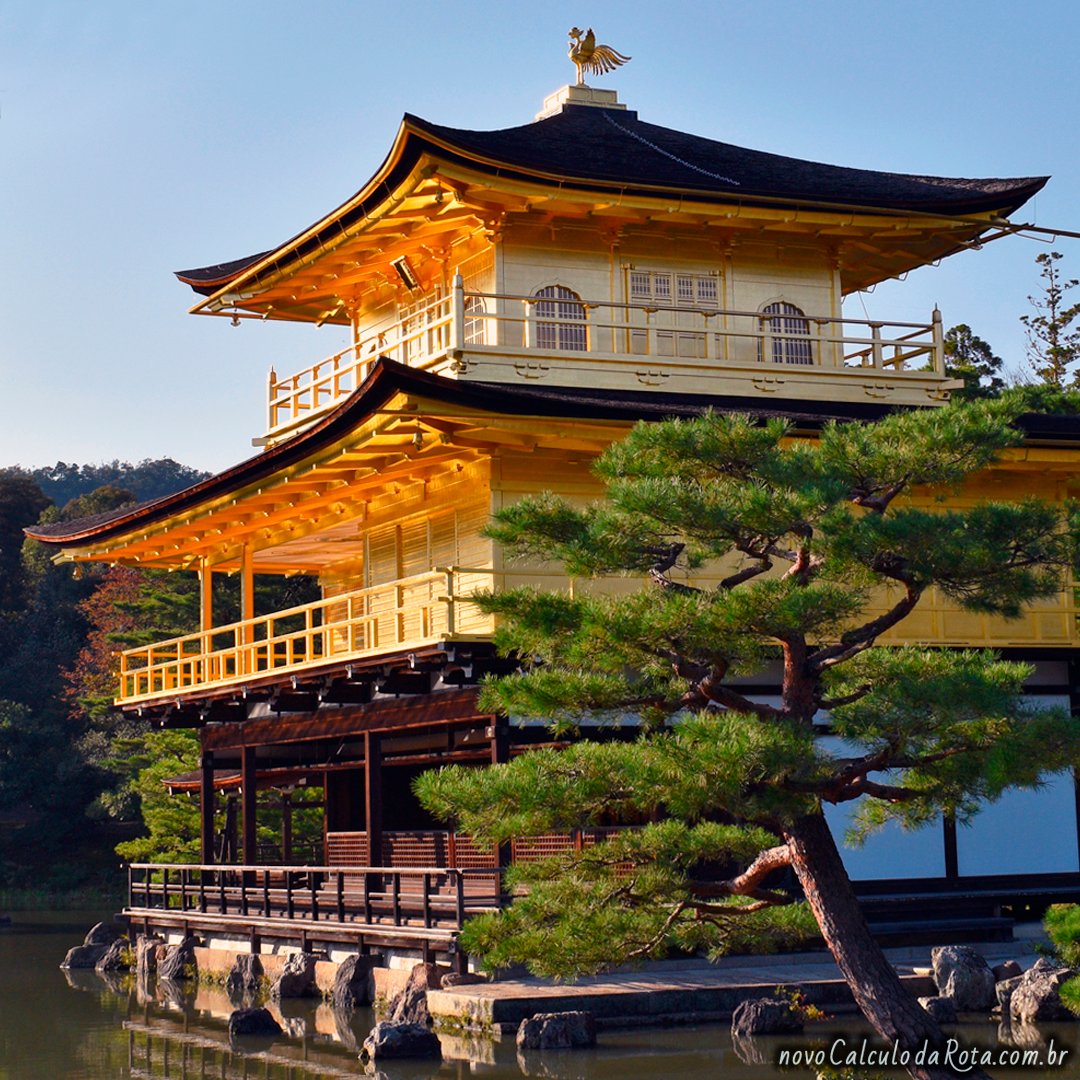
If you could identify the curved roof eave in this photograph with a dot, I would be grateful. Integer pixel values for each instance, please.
(388, 377)
(517, 154)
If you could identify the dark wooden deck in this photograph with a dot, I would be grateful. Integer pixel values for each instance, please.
(362, 907)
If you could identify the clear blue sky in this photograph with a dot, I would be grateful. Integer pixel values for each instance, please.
(138, 138)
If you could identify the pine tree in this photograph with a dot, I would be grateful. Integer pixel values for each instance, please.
(970, 358)
(1053, 339)
(819, 551)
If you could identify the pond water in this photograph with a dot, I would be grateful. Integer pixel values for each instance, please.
(76, 1026)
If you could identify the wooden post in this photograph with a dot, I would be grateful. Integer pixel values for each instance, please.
(206, 616)
(206, 807)
(373, 818)
(247, 599)
(286, 828)
(247, 795)
(457, 316)
(499, 733)
(939, 341)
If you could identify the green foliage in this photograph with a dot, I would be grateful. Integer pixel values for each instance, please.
(813, 550)
(1045, 398)
(1053, 333)
(1062, 925)
(970, 358)
(149, 479)
(172, 822)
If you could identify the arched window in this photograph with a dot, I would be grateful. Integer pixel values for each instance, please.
(786, 333)
(560, 319)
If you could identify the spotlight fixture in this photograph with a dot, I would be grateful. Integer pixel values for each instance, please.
(235, 319)
(406, 272)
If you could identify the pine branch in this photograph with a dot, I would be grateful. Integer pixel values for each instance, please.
(762, 567)
(856, 641)
(847, 699)
(749, 881)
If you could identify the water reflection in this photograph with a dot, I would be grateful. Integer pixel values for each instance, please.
(77, 1025)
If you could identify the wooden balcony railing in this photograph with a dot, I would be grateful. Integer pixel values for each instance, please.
(521, 327)
(401, 614)
(370, 896)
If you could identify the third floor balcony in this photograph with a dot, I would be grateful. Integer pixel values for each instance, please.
(559, 338)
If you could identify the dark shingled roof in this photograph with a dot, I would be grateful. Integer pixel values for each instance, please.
(616, 147)
(388, 377)
(610, 150)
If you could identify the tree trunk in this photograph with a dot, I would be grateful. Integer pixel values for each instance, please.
(884, 1000)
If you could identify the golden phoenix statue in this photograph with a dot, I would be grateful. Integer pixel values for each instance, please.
(588, 56)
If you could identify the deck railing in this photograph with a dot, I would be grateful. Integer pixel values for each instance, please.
(534, 326)
(373, 896)
(405, 613)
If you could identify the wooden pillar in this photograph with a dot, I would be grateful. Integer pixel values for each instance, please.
(286, 828)
(206, 807)
(373, 816)
(206, 597)
(247, 606)
(499, 733)
(952, 861)
(247, 795)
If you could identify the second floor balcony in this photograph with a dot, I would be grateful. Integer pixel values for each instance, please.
(427, 611)
(408, 613)
(563, 339)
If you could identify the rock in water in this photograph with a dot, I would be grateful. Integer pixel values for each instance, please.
(410, 1006)
(1035, 998)
(117, 957)
(179, 962)
(252, 1022)
(388, 1040)
(352, 983)
(245, 977)
(765, 1016)
(1007, 970)
(83, 956)
(104, 933)
(963, 976)
(557, 1031)
(941, 1009)
(297, 978)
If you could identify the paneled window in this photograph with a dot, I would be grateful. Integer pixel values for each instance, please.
(560, 319)
(786, 333)
(676, 333)
(666, 288)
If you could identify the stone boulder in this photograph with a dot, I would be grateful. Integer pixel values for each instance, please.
(117, 957)
(410, 1006)
(1010, 969)
(147, 954)
(962, 975)
(1035, 998)
(557, 1031)
(245, 978)
(388, 1040)
(104, 933)
(83, 956)
(765, 1016)
(1004, 992)
(179, 962)
(252, 1022)
(460, 978)
(941, 1009)
(297, 978)
(353, 983)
